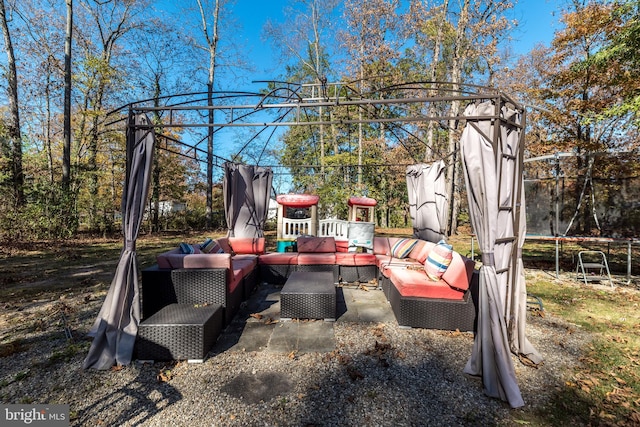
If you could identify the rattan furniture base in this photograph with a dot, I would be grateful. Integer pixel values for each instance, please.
(317, 268)
(358, 273)
(207, 286)
(434, 313)
(249, 283)
(308, 295)
(276, 273)
(179, 332)
(157, 290)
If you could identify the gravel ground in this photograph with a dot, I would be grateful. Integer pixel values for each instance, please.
(379, 375)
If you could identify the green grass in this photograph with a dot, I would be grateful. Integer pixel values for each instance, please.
(605, 388)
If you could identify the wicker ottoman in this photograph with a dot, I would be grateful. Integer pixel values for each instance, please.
(179, 331)
(309, 295)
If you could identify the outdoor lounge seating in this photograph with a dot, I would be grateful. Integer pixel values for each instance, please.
(179, 331)
(228, 277)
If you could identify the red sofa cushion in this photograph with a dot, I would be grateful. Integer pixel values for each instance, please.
(387, 263)
(244, 264)
(342, 246)
(207, 261)
(247, 245)
(328, 258)
(381, 246)
(224, 244)
(235, 280)
(421, 252)
(355, 259)
(316, 244)
(278, 258)
(459, 272)
(414, 283)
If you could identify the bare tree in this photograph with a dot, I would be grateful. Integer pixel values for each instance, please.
(210, 24)
(159, 74)
(13, 149)
(304, 37)
(111, 21)
(66, 150)
(428, 26)
(458, 43)
(372, 44)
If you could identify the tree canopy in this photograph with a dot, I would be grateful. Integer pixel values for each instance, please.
(67, 65)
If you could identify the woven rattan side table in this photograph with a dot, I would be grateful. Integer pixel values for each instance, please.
(309, 295)
(179, 332)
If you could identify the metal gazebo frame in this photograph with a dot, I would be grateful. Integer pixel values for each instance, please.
(396, 106)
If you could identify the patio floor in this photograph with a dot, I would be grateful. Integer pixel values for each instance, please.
(257, 326)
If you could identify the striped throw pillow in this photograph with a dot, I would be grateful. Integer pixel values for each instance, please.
(210, 246)
(403, 247)
(186, 248)
(438, 260)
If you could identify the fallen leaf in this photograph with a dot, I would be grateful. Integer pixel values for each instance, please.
(270, 321)
(165, 376)
(607, 416)
(344, 359)
(201, 305)
(527, 362)
(256, 315)
(354, 374)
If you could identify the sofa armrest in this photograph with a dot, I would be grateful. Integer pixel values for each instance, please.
(170, 259)
(247, 245)
(460, 272)
(207, 261)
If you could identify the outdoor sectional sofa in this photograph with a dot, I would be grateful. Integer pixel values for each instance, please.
(229, 277)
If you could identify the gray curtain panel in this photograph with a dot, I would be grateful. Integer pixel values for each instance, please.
(426, 187)
(517, 295)
(115, 329)
(247, 191)
(490, 169)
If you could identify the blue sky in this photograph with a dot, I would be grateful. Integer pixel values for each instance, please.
(538, 19)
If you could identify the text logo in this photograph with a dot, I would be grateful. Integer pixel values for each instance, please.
(34, 415)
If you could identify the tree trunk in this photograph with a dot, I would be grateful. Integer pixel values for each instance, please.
(13, 122)
(360, 133)
(453, 169)
(92, 164)
(66, 150)
(155, 189)
(212, 42)
(433, 76)
(47, 124)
